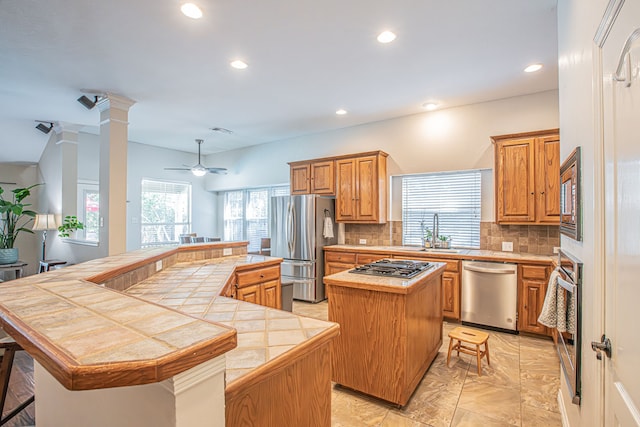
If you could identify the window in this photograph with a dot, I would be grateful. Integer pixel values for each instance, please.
(246, 214)
(166, 211)
(88, 210)
(454, 196)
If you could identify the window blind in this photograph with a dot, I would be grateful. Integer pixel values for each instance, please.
(454, 196)
(166, 211)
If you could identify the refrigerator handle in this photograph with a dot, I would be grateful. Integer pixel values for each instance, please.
(289, 228)
(293, 229)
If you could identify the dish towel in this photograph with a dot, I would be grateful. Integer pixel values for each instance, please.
(327, 231)
(556, 311)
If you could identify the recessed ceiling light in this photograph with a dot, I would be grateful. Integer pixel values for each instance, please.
(191, 10)
(533, 68)
(386, 37)
(430, 106)
(341, 112)
(238, 64)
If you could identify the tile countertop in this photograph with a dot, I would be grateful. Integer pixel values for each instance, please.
(90, 337)
(395, 285)
(263, 333)
(462, 254)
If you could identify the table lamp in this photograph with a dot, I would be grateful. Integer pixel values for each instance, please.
(44, 222)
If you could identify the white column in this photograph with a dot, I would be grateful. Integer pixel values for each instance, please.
(67, 141)
(114, 116)
(194, 398)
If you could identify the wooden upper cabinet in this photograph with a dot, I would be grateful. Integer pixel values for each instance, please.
(361, 184)
(313, 177)
(527, 178)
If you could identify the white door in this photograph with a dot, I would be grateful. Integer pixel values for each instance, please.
(621, 126)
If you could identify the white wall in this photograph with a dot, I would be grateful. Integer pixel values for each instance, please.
(450, 139)
(29, 245)
(577, 24)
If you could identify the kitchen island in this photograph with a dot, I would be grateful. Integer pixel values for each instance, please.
(146, 338)
(390, 331)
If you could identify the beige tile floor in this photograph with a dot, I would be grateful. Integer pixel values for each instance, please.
(520, 388)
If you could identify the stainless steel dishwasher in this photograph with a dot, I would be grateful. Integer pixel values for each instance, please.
(490, 295)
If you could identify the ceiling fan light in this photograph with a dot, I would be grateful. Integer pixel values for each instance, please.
(199, 170)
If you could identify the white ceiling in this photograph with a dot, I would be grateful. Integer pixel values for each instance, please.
(306, 59)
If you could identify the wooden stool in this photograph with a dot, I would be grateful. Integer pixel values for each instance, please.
(471, 336)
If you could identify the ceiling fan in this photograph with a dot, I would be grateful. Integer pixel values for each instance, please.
(199, 169)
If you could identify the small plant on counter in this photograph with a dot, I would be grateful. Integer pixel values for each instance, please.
(69, 225)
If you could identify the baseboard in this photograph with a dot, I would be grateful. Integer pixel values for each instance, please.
(563, 411)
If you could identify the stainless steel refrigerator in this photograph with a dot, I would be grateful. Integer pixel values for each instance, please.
(297, 225)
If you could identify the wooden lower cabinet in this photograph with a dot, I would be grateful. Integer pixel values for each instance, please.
(297, 393)
(387, 340)
(335, 262)
(259, 286)
(532, 289)
(451, 295)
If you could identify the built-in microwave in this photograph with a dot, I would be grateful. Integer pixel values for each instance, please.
(569, 340)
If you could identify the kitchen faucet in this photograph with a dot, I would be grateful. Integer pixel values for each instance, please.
(436, 225)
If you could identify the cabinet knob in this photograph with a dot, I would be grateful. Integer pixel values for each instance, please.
(542, 192)
(262, 276)
(532, 193)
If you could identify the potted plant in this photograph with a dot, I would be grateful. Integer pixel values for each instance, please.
(14, 216)
(69, 225)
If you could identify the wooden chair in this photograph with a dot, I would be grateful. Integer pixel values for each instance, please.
(471, 336)
(9, 348)
(265, 246)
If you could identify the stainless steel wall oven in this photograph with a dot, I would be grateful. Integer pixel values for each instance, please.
(569, 341)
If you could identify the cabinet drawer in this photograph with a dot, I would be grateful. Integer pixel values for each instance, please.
(345, 257)
(261, 275)
(369, 258)
(538, 272)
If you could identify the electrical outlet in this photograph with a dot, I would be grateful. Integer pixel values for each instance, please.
(363, 241)
(556, 249)
(159, 265)
(226, 252)
(507, 246)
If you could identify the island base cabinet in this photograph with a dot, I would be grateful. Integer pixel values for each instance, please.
(297, 395)
(387, 341)
(194, 398)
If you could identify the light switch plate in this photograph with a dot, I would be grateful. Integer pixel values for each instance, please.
(159, 265)
(363, 241)
(556, 249)
(226, 251)
(507, 246)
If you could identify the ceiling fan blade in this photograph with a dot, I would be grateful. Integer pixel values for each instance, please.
(219, 171)
(177, 169)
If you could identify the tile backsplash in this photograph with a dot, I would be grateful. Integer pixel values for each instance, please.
(533, 239)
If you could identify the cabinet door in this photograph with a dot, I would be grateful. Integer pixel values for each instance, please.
(451, 295)
(515, 184)
(345, 190)
(531, 300)
(249, 294)
(271, 294)
(367, 204)
(323, 178)
(300, 179)
(547, 179)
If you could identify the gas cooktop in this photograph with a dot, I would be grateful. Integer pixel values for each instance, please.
(393, 268)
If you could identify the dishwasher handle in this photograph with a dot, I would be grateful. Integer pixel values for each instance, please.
(489, 270)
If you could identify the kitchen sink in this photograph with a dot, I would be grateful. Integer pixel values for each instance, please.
(444, 251)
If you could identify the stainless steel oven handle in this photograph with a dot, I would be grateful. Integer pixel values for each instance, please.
(567, 285)
(489, 270)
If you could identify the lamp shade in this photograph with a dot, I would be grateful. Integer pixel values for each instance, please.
(45, 222)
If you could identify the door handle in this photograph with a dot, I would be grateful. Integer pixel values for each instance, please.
(604, 346)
